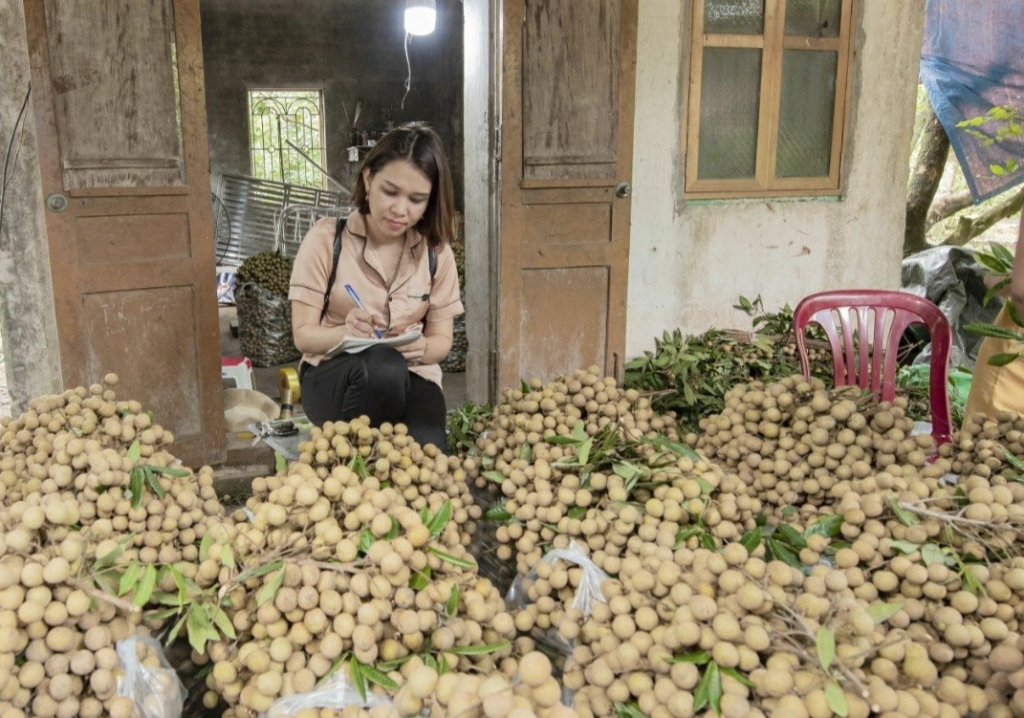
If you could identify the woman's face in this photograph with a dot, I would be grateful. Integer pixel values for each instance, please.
(398, 195)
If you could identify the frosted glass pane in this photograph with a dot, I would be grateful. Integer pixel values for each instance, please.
(805, 113)
(743, 17)
(729, 99)
(812, 18)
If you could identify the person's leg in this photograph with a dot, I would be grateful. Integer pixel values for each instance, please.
(426, 413)
(373, 382)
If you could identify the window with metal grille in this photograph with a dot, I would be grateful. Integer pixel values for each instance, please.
(767, 101)
(286, 136)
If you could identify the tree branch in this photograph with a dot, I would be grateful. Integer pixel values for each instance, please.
(924, 184)
(947, 205)
(967, 228)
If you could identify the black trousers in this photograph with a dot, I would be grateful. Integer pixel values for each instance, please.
(375, 382)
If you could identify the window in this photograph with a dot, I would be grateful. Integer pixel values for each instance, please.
(286, 136)
(767, 97)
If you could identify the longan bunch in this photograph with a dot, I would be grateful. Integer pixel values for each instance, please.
(65, 508)
(981, 444)
(369, 568)
(792, 441)
(269, 270)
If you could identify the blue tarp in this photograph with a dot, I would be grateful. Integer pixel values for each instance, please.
(972, 59)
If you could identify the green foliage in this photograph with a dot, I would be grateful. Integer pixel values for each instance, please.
(999, 262)
(465, 425)
(999, 124)
(690, 375)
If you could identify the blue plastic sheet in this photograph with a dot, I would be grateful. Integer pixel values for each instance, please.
(972, 59)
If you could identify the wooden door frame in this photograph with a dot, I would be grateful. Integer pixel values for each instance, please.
(482, 49)
(195, 152)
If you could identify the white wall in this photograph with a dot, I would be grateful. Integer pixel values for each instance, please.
(689, 262)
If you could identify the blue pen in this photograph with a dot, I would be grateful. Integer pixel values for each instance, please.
(359, 303)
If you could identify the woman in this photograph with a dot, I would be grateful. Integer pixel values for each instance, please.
(404, 214)
(996, 388)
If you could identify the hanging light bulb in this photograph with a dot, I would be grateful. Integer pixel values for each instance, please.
(420, 16)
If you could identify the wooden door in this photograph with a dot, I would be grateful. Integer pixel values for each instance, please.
(117, 89)
(566, 153)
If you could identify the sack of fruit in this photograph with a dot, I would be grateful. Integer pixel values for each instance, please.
(265, 325)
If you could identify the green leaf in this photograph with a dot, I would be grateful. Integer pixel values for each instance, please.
(355, 670)
(134, 451)
(931, 553)
(270, 588)
(110, 558)
(358, 466)
(904, 546)
(154, 483)
(223, 623)
(261, 570)
(453, 560)
(227, 557)
(395, 531)
(577, 512)
(698, 657)
(136, 484)
(498, 513)
(882, 612)
(366, 540)
(736, 675)
(783, 553)
(676, 448)
(374, 675)
(495, 476)
(204, 546)
(836, 699)
(419, 579)
(709, 690)
(791, 536)
(440, 520)
(990, 330)
(994, 291)
(629, 710)
(479, 650)
(1003, 358)
(907, 518)
(280, 462)
(827, 526)
(198, 627)
(1012, 459)
(751, 539)
(583, 455)
(453, 601)
(826, 641)
(176, 629)
(129, 578)
(525, 452)
(626, 470)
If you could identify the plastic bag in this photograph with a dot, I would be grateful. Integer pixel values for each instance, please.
(226, 280)
(265, 326)
(157, 691)
(588, 593)
(337, 691)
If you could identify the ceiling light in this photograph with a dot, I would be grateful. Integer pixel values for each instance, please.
(420, 16)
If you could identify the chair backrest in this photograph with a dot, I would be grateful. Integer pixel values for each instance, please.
(866, 341)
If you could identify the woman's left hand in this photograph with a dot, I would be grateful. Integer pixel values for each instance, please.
(413, 351)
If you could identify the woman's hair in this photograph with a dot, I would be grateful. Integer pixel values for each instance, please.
(418, 144)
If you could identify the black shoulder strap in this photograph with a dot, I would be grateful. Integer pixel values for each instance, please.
(334, 267)
(432, 262)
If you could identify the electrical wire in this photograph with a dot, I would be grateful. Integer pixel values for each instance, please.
(7, 158)
(408, 67)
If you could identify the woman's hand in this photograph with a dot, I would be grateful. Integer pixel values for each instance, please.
(360, 324)
(413, 351)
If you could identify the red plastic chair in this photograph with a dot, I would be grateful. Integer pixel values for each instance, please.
(884, 316)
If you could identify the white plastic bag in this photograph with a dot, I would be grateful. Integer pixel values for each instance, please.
(157, 691)
(337, 691)
(588, 593)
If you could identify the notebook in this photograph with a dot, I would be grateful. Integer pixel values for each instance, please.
(353, 345)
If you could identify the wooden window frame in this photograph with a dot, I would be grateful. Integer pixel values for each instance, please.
(764, 183)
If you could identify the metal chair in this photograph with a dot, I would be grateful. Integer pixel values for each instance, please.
(864, 327)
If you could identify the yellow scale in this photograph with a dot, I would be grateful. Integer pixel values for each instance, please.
(290, 390)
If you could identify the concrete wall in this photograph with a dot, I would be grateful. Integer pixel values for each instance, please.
(690, 261)
(350, 49)
(27, 317)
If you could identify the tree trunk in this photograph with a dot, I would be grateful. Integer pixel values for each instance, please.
(967, 228)
(925, 182)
